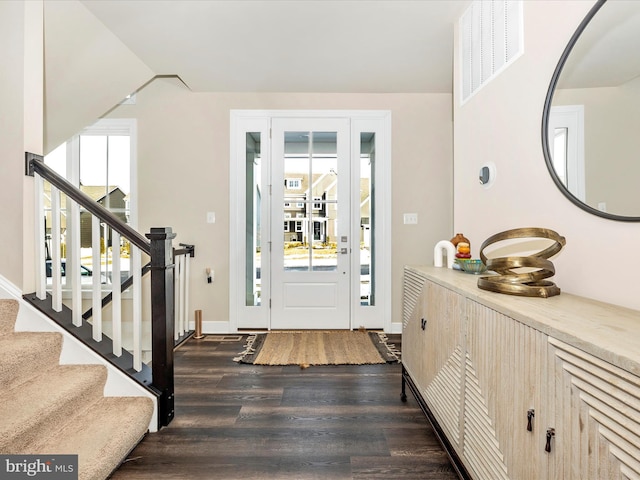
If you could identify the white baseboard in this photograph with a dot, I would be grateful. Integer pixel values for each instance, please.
(396, 327)
(210, 326)
(8, 289)
(217, 327)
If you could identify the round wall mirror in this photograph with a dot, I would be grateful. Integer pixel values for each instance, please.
(591, 118)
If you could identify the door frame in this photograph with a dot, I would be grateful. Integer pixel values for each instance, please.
(242, 317)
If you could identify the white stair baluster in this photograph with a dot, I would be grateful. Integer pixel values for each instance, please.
(135, 266)
(74, 261)
(96, 295)
(56, 261)
(41, 276)
(185, 315)
(116, 304)
(182, 293)
(176, 298)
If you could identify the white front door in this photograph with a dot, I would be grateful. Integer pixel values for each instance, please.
(310, 223)
(310, 218)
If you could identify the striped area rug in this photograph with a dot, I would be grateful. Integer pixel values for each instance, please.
(318, 347)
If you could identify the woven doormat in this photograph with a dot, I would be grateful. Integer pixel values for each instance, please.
(318, 347)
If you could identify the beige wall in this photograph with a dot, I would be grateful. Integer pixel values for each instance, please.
(183, 162)
(21, 104)
(502, 124)
(11, 138)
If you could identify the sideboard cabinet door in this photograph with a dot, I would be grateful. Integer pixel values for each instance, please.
(443, 347)
(504, 380)
(432, 349)
(596, 417)
(412, 334)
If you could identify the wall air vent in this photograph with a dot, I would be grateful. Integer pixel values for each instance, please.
(491, 38)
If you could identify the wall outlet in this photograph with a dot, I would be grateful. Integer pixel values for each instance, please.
(410, 218)
(211, 217)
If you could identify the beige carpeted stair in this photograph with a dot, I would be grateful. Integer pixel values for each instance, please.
(48, 408)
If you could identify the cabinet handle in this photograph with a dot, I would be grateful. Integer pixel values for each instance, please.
(550, 434)
(423, 324)
(530, 414)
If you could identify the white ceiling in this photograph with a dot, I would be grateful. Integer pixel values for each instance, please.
(344, 46)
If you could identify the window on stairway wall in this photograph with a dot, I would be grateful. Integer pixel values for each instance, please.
(101, 162)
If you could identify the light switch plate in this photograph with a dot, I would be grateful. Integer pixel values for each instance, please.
(410, 218)
(211, 217)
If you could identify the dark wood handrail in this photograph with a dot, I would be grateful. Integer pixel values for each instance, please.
(35, 164)
(187, 250)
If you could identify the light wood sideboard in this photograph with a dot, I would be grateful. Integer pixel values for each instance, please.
(519, 387)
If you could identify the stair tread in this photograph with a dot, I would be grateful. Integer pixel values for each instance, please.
(101, 436)
(45, 402)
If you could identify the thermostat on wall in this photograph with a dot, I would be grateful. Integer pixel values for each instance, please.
(487, 174)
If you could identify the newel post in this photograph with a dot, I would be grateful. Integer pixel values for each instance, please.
(162, 319)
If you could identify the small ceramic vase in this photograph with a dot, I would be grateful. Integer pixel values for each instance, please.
(459, 238)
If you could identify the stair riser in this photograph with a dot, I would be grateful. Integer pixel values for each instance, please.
(118, 437)
(8, 315)
(22, 364)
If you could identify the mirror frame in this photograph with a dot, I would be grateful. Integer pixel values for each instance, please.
(545, 123)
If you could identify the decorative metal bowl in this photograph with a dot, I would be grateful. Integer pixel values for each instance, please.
(471, 265)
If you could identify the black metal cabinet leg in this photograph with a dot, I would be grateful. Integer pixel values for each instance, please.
(403, 395)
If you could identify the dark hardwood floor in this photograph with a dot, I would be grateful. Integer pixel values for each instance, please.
(236, 421)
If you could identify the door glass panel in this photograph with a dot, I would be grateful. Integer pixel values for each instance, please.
(297, 163)
(310, 201)
(367, 219)
(324, 201)
(253, 196)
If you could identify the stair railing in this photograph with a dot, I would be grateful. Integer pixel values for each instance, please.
(169, 286)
